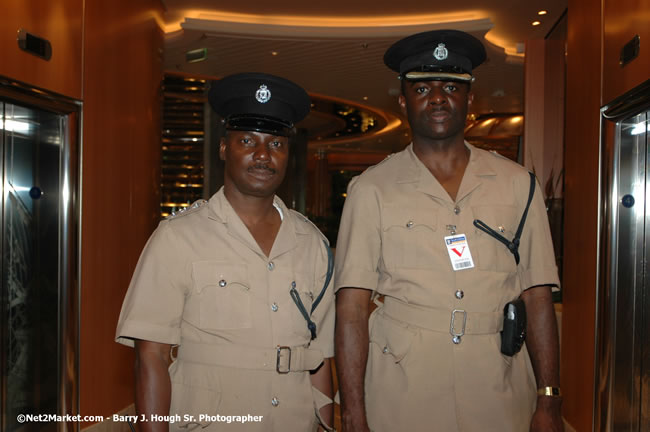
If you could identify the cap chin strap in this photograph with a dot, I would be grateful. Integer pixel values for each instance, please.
(438, 76)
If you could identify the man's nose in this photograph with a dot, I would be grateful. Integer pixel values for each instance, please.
(261, 152)
(437, 96)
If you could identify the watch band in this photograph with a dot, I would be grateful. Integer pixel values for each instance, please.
(549, 391)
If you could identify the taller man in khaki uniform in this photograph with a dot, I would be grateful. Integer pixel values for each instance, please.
(240, 284)
(429, 358)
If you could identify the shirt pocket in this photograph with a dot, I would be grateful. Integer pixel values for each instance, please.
(392, 338)
(195, 392)
(223, 294)
(408, 237)
(489, 253)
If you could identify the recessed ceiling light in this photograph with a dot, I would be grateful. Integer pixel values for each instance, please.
(274, 53)
(536, 23)
(542, 12)
(365, 98)
(196, 55)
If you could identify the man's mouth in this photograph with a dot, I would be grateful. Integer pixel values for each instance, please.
(440, 115)
(260, 169)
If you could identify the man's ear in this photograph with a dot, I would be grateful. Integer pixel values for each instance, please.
(402, 103)
(222, 149)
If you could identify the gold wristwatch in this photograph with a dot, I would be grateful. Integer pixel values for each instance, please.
(549, 391)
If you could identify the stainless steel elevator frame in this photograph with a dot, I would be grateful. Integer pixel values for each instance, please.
(69, 239)
(622, 376)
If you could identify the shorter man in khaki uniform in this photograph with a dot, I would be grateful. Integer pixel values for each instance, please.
(240, 284)
(429, 358)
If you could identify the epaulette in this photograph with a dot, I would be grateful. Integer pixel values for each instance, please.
(496, 153)
(187, 210)
(304, 218)
(384, 160)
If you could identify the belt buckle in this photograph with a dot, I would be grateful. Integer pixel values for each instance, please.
(277, 362)
(452, 326)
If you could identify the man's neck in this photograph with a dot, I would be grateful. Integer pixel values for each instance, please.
(248, 207)
(445, 159)
(258, 214)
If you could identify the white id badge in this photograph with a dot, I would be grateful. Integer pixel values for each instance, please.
(459, 253)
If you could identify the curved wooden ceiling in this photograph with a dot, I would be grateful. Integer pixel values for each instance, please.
(335, 48)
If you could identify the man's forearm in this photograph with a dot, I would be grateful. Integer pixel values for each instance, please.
(152, 384)
(542, 336)
(352, 308)
(543, 346)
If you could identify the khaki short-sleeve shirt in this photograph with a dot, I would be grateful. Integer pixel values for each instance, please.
(202, 281)
(392, 241)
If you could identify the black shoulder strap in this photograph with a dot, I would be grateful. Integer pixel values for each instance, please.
(296, 296)
(513, 246)
(328, 278)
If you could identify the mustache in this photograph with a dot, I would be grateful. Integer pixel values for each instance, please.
(261, 167)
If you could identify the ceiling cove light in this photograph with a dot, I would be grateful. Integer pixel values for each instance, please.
(536, 23)
(221, 22)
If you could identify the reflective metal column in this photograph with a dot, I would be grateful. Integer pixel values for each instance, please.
(39, 296)
(623, 338)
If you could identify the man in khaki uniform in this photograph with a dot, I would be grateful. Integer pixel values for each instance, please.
(429, 359)
(232, 282)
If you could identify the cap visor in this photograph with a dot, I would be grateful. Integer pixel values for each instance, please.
(423, 75)
(259, 124)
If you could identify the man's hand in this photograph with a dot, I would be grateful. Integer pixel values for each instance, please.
(548, 415)
(322, 381)
(355, 425)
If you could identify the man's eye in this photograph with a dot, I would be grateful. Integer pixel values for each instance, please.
(246, 141)
(421, 90)
(451, 88)
(276, 144)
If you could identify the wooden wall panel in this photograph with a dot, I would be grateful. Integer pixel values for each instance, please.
(121, 183)
(581, 210)
(622, 20)
(544, 71)
(58, 21)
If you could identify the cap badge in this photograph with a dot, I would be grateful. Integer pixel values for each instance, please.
(263, 94)
(440, 53)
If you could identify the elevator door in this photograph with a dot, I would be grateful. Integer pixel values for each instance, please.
(31, 141)
(623, 382)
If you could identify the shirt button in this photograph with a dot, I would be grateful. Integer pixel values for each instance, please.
(456, 210)
(274, 307)
(460, 294)
(222, 283)
(456, 340)
(409, 224)
(502, 229)
(275, 402)
(271, 265)
(385, 350)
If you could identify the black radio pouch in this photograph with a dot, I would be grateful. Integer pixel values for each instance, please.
(513, 334)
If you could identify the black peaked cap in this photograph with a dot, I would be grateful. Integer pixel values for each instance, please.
(259, 102)
(438, 51)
